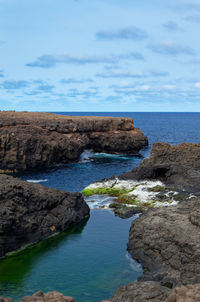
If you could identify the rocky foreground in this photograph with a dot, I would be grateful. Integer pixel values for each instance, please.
(43, 140)
(31, 212)
(166, 241)
(41, 297)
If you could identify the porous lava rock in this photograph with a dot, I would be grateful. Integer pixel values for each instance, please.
(177, 166)
(31, 212)
(43, 140)
(166, 241)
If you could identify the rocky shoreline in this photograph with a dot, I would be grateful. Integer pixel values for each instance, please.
(166, 241)
(43, 140)
(31, 212)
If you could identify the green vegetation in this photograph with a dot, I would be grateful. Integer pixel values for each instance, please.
(157, 189)
(126, 199)
(112, 191)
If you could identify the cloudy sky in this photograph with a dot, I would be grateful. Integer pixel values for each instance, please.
(100, 55)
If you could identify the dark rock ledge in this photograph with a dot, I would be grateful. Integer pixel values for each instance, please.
(177, 166)
(31, 212)
(166, 241)
(43, 140)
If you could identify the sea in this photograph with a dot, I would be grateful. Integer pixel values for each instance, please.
(90, 261)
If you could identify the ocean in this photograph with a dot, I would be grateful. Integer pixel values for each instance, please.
(90, 261)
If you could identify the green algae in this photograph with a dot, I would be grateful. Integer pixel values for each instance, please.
(157, 189)
(111, 191)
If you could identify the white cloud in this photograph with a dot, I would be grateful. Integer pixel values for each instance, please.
(197, 85)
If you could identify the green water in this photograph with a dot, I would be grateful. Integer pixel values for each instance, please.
(88, 262)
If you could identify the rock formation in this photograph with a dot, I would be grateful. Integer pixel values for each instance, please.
(166, 241)
(31, 212)
(41, 297)
(190, 293)
(141, 292)
(177, 166)
(43, 140)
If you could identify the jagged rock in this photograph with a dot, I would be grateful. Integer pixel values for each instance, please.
(177, 166)
(166, 241)
(31, 212)
(141, 292)
(189, 293)
(41, 297)
(2, 299)
(43, 140)
(49, 297)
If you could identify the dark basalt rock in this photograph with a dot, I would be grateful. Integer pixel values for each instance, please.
(177, 166)
(43, 140)
(31, 212)
(166, 241)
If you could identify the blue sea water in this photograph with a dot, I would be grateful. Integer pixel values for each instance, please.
(90, 261)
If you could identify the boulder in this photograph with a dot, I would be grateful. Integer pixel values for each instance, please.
(166, 241)
(31, 212)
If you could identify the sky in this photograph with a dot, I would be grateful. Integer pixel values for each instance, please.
(100, 55)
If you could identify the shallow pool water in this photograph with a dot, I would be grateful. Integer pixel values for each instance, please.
(89, 262)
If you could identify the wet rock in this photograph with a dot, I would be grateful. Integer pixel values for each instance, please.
(31, 212)
(189, 293)
(166, 241)
(125, 212)
(177, 166)
(44, 140)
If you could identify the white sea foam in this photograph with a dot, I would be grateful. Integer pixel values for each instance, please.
(37, 180)
(98, 201)
(133, 264)
(138, 189)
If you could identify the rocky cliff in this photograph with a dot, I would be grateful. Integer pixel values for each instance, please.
(177, 166)
(31, 212)
(166, 241)
(43, 140)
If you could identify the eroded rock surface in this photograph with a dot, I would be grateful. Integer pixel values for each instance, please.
(166, 241)
(31, 212)
(43, 140)
(41, 297)
(189, 293)
(178, 166)
(141, 292)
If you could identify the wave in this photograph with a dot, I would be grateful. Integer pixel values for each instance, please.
(36, 180)
(133, 264)
(89, 155)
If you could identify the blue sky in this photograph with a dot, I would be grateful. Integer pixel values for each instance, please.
(99, 55)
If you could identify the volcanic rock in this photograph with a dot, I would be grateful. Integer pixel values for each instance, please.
(31, 212)
(166, 241)
(141, 292)
(177, 166)
(189, 293)
(43, 140)
(41, 297)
